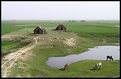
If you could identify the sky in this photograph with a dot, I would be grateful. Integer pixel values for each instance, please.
(60, 10)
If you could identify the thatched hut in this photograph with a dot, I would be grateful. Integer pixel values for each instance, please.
(39, 30)
(61, 27)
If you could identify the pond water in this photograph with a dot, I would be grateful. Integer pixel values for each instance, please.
(96, 53)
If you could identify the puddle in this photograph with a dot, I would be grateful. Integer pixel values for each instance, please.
(96, 53)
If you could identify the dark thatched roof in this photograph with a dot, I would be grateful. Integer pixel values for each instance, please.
(61, 27)
(39, 30)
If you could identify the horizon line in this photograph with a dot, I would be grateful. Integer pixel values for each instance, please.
(62, 19)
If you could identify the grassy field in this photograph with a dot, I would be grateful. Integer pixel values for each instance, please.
(79, 69)
(103, 30)
(78, 27)
(9, 46)
(86, 34)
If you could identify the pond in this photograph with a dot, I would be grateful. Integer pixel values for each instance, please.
(96, 53)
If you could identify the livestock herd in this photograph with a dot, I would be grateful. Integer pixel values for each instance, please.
(96, 67)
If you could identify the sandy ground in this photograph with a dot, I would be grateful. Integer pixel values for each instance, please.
(70, 41)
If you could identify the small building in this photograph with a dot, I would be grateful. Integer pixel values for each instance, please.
(82, 20)
(61, 27)
(39, 30)
(72, 21)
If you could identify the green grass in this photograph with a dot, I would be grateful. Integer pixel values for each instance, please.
(92, 30)
(9, 46)
(79, 27)
(78, 69)
(87, 34)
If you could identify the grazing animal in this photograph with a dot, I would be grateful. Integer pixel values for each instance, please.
(65, 66)
(98, 66)
(109, 57)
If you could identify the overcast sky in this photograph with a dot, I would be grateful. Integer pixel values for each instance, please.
(60, 10)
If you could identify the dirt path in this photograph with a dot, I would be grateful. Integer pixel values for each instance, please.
(12, 58)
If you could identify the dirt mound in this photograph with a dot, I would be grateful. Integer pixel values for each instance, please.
(70, 42)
